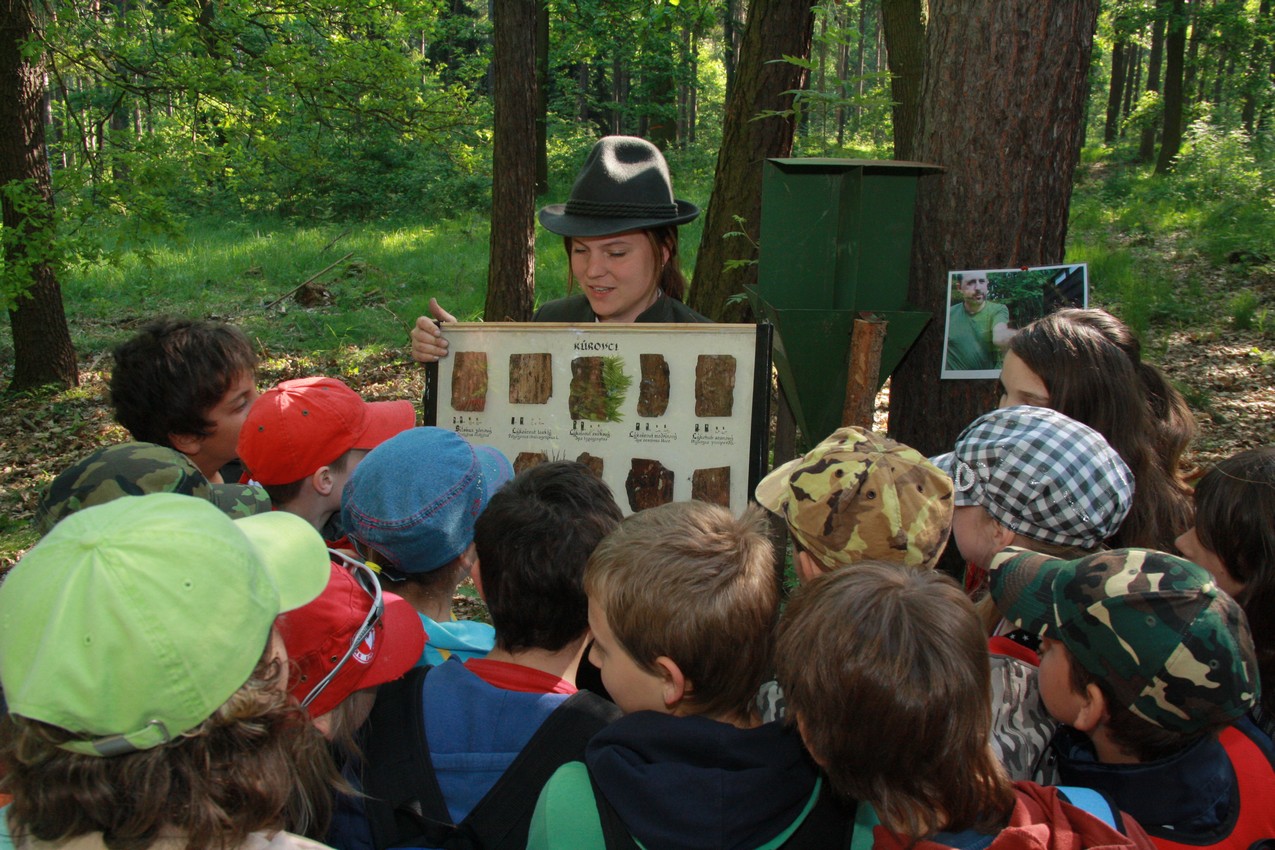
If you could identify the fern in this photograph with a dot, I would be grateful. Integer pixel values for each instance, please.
(615, 383)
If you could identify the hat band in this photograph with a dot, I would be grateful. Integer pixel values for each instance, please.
(153, 734)
(611, 209)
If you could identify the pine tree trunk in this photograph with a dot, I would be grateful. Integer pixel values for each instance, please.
(1111, 129)
(905, 44)
(1146, 148)
(776, 28)
(511, 273)
(1258, 67)
(1010, 154)
(42, 350)
(1174, 55)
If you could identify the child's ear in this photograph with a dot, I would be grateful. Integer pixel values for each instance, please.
(1093, 712)
(187, 444)
(477, 575)
(1002, 535)
(806, 567)
(322, 481)
(801, 730)
(675, 684)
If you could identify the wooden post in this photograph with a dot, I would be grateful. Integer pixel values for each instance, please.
(863, 369)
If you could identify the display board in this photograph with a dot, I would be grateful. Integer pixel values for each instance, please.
(662, 413)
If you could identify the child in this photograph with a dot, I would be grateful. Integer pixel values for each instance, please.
(135, 469)
(682, 603)
(859, 496)
(1032, 477)
(145, 679)
(188, 385)
(1151, 668)
(409, 509)
(887, 680)
(491, 730)
(1234, 539)
(303, 438)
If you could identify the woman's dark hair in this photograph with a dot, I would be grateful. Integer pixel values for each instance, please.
(1093, 380)
(668, 273)
(1235, 520)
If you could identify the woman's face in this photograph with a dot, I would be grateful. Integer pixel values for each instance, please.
(617, 274)
(1020, 385)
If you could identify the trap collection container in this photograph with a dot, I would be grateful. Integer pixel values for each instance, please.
(836, 242)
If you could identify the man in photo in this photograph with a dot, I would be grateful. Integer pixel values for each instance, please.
(978, 330)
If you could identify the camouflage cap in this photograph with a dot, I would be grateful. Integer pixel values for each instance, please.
(1042, 475)
(859, 496)
(135, 469)
(1169, 644)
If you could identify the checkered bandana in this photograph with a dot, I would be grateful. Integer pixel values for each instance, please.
(1042, 475)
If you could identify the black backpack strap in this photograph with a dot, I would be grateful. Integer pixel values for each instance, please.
(403, 800)
(503, 816)
(614, 832)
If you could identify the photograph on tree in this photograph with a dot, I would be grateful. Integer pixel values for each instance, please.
(987, 307)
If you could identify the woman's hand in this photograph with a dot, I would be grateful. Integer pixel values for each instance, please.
(428, 344)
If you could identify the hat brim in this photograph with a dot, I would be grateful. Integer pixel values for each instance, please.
(1022, 585)
(556, 219)
(291, 552)
(497, 470)
(384, 419)
(772, 490)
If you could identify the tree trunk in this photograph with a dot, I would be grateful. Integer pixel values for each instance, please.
(1146, 148)
(776, 28)
(1190, 85)
(905, 46)
(1010, 155)
(1257, 80)
(511, 273)
(1174, 54)
(42, 350)
(732, 32)
(1111, 129)
(542, 97)
(1134, 84)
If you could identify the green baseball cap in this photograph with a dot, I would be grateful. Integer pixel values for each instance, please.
(130, 623)
(859, 496)
(135, 469)
(1170, 645)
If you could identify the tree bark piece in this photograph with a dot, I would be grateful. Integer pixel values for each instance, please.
(653, 387)
(469, 381)
(594, 463)
(650, 483)
(588, 396)
(714, 385)
(1010, 154)
(526, 460)
(530, 378)
(866, 342)
(711, 485)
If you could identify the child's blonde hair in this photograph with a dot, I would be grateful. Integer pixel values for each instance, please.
(689, 581)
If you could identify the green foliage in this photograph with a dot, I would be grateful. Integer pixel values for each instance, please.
(1243, 310)
(24, 248)
(616, 383)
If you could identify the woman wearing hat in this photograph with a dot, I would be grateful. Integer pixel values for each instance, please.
(619, 226)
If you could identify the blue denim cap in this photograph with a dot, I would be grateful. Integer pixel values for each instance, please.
(415, 497)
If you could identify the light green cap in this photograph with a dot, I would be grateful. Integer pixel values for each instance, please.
(131, 622)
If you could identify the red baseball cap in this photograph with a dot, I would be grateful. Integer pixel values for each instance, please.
(318, 636)
(298, 426)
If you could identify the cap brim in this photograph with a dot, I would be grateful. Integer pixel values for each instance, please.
(556, 219)
(1022, 584)
(385, 419)
(291, 552)
(772, 489)
(239, 500)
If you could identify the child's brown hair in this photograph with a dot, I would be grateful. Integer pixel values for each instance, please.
(689, 581)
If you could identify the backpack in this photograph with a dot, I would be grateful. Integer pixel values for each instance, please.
(405, 806)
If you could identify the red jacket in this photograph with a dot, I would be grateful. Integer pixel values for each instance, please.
(1042, 821)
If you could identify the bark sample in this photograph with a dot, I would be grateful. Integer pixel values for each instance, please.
(649, 484)
(712, 485)
(469, 381)
(526, 460)
(653, 387)
(599, 386)
(594, 463)
(714, 385)
(530, 378)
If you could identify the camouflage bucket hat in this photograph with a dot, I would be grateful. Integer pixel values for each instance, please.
(1042, 475)
(136, 469)
(1168, 643)
(859, 496)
